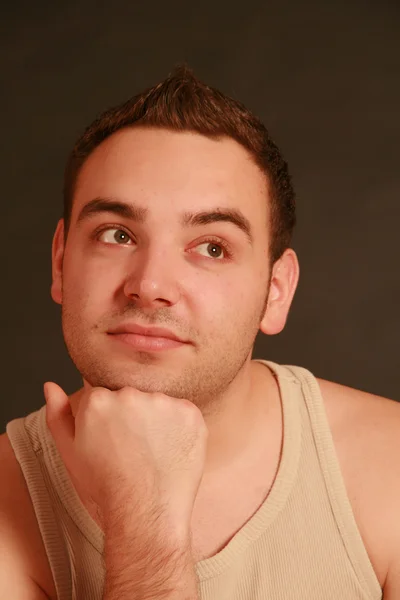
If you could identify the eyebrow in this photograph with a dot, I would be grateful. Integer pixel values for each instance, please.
(138, 214)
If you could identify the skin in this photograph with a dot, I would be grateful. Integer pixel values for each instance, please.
(217, 304)
(219, 307)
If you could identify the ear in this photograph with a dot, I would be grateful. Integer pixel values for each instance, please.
(284, 279)
(57, 255)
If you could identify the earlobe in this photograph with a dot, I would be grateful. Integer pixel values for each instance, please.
(284, 280)
(57, 255)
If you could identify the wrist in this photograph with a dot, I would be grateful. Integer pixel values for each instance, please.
(152, 517)
(151, 522)
(151, 559)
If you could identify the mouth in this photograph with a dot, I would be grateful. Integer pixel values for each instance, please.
(146, 343)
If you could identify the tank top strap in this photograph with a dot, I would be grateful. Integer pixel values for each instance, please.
(334, 480)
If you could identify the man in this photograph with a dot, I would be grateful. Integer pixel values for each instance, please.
(183, 469)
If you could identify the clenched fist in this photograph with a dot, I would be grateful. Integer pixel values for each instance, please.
(130, 446)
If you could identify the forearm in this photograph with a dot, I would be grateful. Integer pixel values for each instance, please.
(147, 558)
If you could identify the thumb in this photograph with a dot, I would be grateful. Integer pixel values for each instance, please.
(59, 416)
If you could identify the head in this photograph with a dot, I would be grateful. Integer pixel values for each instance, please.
(132, 245)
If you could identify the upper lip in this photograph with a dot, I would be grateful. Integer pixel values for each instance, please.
(146, 330)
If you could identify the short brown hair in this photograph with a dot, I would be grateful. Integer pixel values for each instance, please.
(183, 103)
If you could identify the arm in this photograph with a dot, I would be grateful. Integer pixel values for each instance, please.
(389, 471)
(391, 589)
(152, 562)
(19, 537)
(140, 458)
(14, 583)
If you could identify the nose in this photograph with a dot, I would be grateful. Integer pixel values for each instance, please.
(152, 281)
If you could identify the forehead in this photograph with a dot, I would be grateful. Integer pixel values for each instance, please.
(173, 171)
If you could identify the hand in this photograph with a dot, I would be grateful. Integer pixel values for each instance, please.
(131, 448)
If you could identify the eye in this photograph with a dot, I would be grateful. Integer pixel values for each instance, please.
(114, 235)
(215, 249)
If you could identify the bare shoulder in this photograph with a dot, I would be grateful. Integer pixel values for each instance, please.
(366, 433)
(21, 544)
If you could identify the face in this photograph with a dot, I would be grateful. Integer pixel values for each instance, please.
(205, 282)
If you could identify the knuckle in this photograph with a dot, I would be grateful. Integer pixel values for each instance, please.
(128, 393)
(98, 393)
(161, 398)
(97, 397)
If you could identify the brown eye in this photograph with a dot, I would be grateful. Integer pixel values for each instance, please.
(114, 236)
(213, 249)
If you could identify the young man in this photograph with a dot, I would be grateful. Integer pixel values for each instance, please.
(183, 469)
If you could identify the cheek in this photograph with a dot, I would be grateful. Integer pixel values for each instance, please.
(87, 284)
(225, 300)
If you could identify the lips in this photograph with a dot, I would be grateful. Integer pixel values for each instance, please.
(159, 332)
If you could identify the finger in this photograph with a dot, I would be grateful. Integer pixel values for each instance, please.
(59, 416)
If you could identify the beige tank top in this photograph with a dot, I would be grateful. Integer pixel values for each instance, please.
(302, 543)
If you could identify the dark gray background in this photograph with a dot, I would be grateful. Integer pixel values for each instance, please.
(324, 77)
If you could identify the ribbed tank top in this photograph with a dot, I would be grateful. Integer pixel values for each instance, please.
(302, 543)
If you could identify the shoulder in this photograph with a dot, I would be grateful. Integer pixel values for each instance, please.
(366, 433)
(19, 530)
(363, 418)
